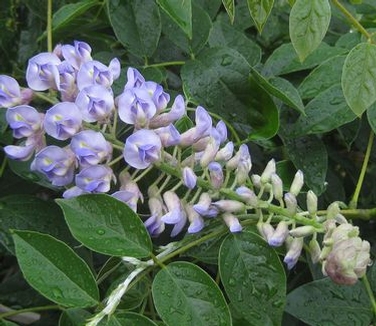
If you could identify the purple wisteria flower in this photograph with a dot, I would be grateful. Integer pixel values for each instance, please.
(56, 163)
(158, 95)
(25, 151)
(68, 88)
(134, 79)
(189, 177)
(76, 54)
(204, 206)
(175, 212)
(90, 147)
(195, 220)
(24, 120)
(142, 149)
(216, 174)
(136, 107)
(169, 135)
(96, 103)
(176, 112)
(11, 94)
(232, 222)
(96, 73)
(42, 72)
(154, 224)
(63, 120)
(95, 179)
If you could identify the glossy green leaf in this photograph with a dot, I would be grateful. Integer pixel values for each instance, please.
(309, 20)
(322, 77)
(53, 269)
(207, 251)
(26, 212)
(106, 225)
(4, 322)
(74, 317)
(128, 319)
(137, 25)
(69, 12)
(284, 59)
(359, 77)
(337, 305)
(186, 295)
(260, 11)
(201, 25)
(224, 34)
(230, 8)
(309, 154)
(180, 12)
(324, 113)
(253, 278)
(281, 89)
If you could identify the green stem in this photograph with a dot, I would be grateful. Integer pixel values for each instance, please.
(2, 167)
(164, 64)
(44, 97)
(354, 201)
(31, 309)
(370, 293)
(49, 26)
(352, 19)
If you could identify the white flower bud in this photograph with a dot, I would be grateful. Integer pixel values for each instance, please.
(297, 183)
(232, 222)
(266, 230)
(228, 205)
(314, 250)
(256, 180)
(291, 203)
(247, 195)
(269, 170)
(302, 231)
(332, 211)
(311, 202)
(225, 153)
(280, 234)
(277, 186)
(210, 151)
(294, 250)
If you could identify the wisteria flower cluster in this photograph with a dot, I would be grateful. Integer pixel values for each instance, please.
(107, 143)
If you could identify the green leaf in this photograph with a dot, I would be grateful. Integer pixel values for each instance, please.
(308, 23)
(260, 11)
(359, 77)
(309, 154)
(322, 77)
(253, 277)
(371, 117)
(180, 12)
(184, 294)
(137, 25)
(69, 12)
(223, 34)
(284, 59)
(53, 269)
(230, 9)
(324, 113)
(74, 317)
(106, 225)
(207, 251)
(281, 89)
(323, 302)
(128, 319)
(201, 25)
(26, 212)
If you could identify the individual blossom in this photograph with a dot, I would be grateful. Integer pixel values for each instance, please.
(294, 249)
(74, 192)
(134, 78)
(297, 183)
(225, 153)
(348, 260)
(221, 131)
(169, 135)
(204, 206)
(25, 151)
(277, 186)
(268, 171)
(175, 212)
(95, 179)
(244, 165)
(232, 222)
(63, 120)
(42, 72)
(196, 222)
(279, 235)
(76, 54)
(209, 152)
(56, 163)
(129, 191)
(11, 94)
(216, 174)
(136, 107)
(142, 149)
(158, 95)
(96, 103)
(96, 73)
(154, 223)
(90, 147)
(175, 113)
(247, 195)
(189, 177)
(229, 205)
(266, 230)
(68, 88)
(24, 120)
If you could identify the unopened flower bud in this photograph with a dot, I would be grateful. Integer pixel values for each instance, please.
(228, 205)
(204, 207)
(225, 153)
(232, 222)
(280, 234)
(256, 180)
(311, 202)
(291, 203)
(189, 177)
(314, 250)
(209, 152)
(269, 170)
(302, 231)
(247, 195)
(332, 211)
(266, 230)
(277, 186)
(216, 174)
(196, 221)
(297, 183)
(293, 253)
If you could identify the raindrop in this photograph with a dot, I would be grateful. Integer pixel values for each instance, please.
(58, 294)
(231, 281)
(101, 231)
(226, 60)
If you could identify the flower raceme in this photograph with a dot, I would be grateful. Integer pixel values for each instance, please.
(111, 143)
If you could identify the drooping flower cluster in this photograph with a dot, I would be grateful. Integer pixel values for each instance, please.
(109, 142)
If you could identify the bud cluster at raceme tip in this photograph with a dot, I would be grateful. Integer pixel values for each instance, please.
(198, 173)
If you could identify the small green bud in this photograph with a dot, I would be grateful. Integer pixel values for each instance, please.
(291, 203)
